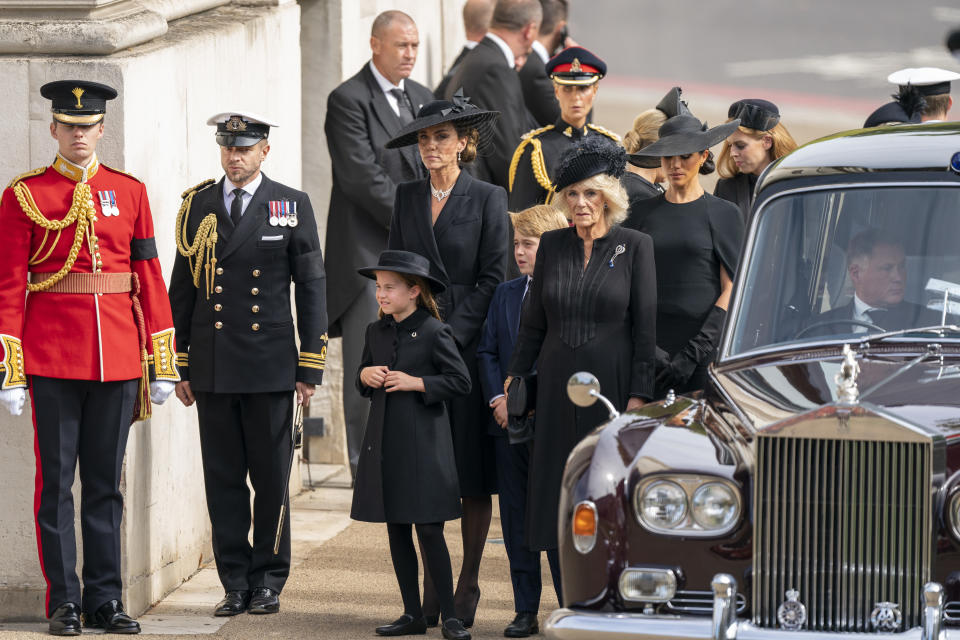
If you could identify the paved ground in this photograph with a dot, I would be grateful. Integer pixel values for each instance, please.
(341, 588)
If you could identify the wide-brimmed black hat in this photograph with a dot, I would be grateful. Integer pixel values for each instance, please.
(670, 105)
(891, 113)
(406, 262)
(458, 111)
(593, 156)
(755, 113)
(78, 102)
(685, 134)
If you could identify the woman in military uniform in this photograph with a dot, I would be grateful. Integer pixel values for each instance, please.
(575, 73)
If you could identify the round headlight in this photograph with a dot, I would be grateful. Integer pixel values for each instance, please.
(662, 505)
(955, 515)
(714, 506)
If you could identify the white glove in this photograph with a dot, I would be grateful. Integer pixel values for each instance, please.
(161, 390)
(13, 399)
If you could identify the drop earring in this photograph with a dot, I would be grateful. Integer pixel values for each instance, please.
(458, 156)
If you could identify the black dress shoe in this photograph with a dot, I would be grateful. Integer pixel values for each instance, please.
(523, 626)
(112, 618)
(452, 629)
(405, 625)
(233, 603)
(65, 620)
(264, 600)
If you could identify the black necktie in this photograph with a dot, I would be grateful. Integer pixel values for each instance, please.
(236, 207)
(403, 102)
(879, 317)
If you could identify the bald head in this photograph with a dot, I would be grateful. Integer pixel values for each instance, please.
(476, 18)
(394, 42)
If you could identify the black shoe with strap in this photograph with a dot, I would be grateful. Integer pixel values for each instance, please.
(65, 620)
(264, 600)
(112, 619)
(233, 603)
(523, 626)
(453, 629)
(405, 625)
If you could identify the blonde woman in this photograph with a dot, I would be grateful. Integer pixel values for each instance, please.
(591, 307)
(759, 140)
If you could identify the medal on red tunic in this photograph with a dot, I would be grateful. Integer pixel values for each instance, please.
(108, 203)
(274, 213)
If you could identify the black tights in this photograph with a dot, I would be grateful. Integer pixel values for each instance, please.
(436, 560)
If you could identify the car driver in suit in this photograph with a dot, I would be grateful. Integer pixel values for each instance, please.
(876, 264)
(363, 114)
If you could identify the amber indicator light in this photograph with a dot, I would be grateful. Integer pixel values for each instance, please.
(584, 521)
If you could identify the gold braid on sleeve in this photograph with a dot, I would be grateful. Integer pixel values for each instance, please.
(201, 253)
(82, 212)
(525, 139)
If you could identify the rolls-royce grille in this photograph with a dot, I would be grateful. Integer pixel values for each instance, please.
(844, 523)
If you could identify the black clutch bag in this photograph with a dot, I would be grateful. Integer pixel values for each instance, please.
(521, 408)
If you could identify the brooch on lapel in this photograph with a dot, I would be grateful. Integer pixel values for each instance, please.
(616, 252)
(413, 334)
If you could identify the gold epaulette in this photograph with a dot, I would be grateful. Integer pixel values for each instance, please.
(198, 188)
(525, 139)
(24, 176)
(121, 172)
(605, 131)
(200, 252)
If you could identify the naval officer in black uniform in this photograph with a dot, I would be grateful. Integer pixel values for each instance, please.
(575, 73)
(240, 243)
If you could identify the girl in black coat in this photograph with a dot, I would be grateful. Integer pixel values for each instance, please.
(406, 474)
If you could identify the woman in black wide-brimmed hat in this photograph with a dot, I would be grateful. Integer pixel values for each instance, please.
(696, 239)
(461, 226)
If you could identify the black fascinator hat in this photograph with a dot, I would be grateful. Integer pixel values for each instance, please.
(593, 156)
(457, 110)
(755, 113)
(685, 134)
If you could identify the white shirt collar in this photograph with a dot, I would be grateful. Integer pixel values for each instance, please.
(470, 44)
(385, 85)
(541, 51)
(504, 47)
(250, 188)
(860, 308)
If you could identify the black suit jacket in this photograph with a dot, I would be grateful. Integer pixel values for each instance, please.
(445, 82)
(900, 316)
(538, 92)
(467, 247)
(359, 123)
(240, 338)
(491, 83)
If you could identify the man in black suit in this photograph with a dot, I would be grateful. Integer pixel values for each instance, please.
(476, 21)
(240, 242)
(537, 86)
(488, 76)
(877, 267)
(364, 113)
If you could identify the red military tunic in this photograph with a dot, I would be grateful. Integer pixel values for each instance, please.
(81, 336)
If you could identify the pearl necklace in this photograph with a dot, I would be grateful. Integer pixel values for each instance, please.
(439, 194)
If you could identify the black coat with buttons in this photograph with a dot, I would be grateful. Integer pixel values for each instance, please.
(241, 338)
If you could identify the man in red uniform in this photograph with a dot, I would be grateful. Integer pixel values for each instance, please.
(85, 326)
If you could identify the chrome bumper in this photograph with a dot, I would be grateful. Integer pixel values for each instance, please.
(567, 624)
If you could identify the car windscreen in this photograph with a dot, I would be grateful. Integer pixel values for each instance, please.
(844, 263)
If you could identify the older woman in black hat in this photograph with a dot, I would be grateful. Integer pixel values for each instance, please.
(697, 238)
(759, 140)
(591, 307)
(461, 226)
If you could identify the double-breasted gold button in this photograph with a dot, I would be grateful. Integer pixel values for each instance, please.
(219, 271)
(256, 273)
(218, 324)
(218, 289)
(255, 326)
(255, 291)
(217, 307)
(255, 308)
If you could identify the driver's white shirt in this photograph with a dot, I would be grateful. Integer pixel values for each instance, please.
(860, 310)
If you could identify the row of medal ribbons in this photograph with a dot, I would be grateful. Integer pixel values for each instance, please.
(283, 213)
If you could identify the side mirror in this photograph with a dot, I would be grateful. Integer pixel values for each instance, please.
(583, 389)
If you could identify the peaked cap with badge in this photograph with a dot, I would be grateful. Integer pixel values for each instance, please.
(240, 128)
(916, 85)
(85, 324)
(533, 167)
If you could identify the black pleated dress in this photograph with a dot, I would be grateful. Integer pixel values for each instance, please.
(600, 319)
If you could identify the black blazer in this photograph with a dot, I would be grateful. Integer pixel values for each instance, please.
(738, 190)
(538, 92)
(492, 84)
(359, 123)
(900, 316)
(467, 247)
(240, 339)
(442, 87)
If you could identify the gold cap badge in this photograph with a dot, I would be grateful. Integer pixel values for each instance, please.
(77, 92)
(236, 123)
(575, 65)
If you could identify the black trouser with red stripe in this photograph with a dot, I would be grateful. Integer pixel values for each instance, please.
(241, 434)
(85, 421)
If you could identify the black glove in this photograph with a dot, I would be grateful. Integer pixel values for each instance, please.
(696, 352)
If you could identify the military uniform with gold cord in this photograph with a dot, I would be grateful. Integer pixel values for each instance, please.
(239, 247)
(533, 166)
(85, 326)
